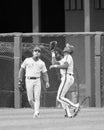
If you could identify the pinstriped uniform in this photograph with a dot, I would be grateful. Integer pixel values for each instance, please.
(67, 80)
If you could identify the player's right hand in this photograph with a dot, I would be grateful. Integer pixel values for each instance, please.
(47, 85)
(53, 66)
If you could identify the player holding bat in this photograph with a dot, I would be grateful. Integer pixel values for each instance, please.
(65, 64)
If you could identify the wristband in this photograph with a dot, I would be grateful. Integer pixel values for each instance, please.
(55, 66)
(53, 54)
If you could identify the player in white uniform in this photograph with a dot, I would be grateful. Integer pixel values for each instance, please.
(34, 67)
(67, 79)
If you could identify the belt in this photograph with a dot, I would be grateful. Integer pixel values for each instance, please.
(32, 77)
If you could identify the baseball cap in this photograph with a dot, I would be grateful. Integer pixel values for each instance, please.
(37, 48)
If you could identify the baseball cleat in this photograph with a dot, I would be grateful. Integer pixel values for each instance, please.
(36, 115)
(70, 117)
(76, 111)
(66, 115)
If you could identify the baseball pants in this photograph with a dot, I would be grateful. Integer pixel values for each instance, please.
(66, 82)
(33, 88)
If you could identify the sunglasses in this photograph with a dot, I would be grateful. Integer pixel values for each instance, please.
(37, 50)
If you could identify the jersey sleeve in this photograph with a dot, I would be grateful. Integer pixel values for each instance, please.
(44, 69)
(23, 65)
(67, 59)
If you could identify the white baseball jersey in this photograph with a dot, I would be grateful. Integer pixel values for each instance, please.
(33, 68)
(69, 70)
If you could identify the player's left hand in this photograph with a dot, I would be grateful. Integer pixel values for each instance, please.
(47, 85)
(20, 86)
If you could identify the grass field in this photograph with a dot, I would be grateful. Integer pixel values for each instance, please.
(51, 119)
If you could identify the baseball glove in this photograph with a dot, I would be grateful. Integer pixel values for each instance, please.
(53, 45)
(20, 86)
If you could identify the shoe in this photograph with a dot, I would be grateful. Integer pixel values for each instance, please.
(76, 111)
(77, 105)
(66, 114)
(36, 115)
(70, 116)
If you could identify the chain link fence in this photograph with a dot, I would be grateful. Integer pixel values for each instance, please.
(22, 45)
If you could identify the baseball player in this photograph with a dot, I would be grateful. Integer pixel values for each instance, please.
(65, 64)
(33, 68)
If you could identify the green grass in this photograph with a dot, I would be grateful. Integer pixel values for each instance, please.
(51, 119)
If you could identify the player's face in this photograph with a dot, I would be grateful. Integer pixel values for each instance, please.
(36, 52)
